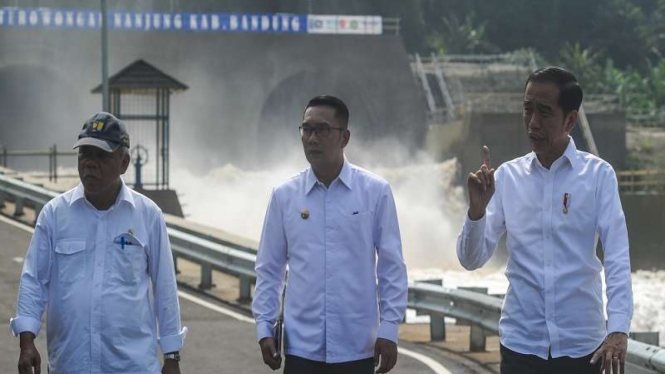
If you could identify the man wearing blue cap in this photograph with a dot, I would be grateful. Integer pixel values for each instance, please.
(100, 264)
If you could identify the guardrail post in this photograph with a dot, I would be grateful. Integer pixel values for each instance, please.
(206, 277)
(477, 342)
(650, 337)
(18, 207)
(4, 156)
(175, 263)
(38, 210)
(245, 290)
(2, 199)
(437, 324)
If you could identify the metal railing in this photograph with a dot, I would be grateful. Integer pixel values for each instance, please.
(480, 311)
(642, 181)
(517, 59)
(646, 118)
(391, 25)
(52, 153)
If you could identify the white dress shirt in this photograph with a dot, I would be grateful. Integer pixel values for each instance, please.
(105, 278)
(330, 238)
(554, 299)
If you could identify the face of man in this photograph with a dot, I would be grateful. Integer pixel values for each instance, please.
(545, 122)
(323, 138)
(100, 170)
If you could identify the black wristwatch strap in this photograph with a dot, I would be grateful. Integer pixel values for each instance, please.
(172, 356)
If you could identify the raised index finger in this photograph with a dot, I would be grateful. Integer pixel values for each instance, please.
(486, 156)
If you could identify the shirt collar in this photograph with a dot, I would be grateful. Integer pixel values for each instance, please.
(570, 154)
(124, 195)
(344, 176)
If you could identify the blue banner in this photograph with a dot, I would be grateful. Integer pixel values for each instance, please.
(204, 22)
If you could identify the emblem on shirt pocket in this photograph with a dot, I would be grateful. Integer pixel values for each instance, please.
(304, 214)
(566, 202)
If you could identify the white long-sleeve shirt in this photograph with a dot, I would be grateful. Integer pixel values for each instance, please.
(555, 293)
(331, 239)
(105, 278)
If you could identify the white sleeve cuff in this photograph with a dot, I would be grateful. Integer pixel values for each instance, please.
(389, 330)
(23, 324)
(469, 224)
(173, 343)
(263, 330)
(618, 323)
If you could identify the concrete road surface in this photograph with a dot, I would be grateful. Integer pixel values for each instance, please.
(216, 343)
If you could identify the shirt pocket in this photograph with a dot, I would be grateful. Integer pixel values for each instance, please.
(356, 229)
(70, 257)
(129, 260)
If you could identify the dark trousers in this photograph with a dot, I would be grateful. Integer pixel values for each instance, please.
(299, 365)
(518, 363)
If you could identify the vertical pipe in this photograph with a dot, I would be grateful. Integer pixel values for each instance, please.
(105, 71)
(55, 164)
(158, 143)
(167, 131)
(50, 165)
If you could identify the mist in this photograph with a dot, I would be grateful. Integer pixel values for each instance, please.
(430, 207)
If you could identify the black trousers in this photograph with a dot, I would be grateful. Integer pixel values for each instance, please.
(518, 363)
(299, 365)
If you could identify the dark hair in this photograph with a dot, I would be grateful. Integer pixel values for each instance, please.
(570, 92)
(341, 111)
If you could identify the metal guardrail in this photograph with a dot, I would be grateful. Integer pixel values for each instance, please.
(481, 311)
(23, 194)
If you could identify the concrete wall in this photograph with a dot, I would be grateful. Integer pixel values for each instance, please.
(246, 92)
(645, 218)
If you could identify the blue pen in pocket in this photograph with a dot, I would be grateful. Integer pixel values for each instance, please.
(125, 240)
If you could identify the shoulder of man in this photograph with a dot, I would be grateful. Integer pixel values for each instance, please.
(59, 202)
(292, 184)
(144, 204)
(593, 161)
(515, 165)
(368, 178)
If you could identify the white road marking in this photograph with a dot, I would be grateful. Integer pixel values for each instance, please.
(214, 307)
(18, 260)
(20, 225)
(436, 367)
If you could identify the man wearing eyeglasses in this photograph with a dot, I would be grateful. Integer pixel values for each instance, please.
(100, 264)
(329, 224)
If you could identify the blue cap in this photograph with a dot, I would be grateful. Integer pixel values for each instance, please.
(104, 131)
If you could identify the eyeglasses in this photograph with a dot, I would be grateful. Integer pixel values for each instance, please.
(321, 131)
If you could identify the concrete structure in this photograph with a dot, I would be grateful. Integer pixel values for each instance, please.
(246, 92)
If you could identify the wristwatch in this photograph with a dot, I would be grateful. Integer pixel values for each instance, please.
(172, 356)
